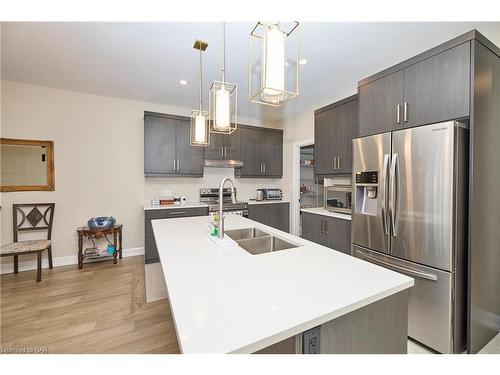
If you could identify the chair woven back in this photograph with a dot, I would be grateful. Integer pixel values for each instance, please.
(33, 217)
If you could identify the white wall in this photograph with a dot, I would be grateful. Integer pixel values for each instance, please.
(99, 148)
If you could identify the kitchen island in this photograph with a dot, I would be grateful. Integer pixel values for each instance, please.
(227, 300)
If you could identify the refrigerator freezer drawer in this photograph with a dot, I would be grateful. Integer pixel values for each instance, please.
(430, 304)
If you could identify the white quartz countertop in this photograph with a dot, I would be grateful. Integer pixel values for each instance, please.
(171, 207)
(225, 300)
(268, 202)
(323, 212)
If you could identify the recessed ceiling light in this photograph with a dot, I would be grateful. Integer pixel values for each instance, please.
(183, 82)
(303, 61)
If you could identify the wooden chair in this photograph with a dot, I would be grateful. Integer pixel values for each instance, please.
(29, 222)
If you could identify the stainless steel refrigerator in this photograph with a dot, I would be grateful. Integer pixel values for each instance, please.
(409, 215)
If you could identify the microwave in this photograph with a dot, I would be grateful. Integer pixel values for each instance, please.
(338, 198)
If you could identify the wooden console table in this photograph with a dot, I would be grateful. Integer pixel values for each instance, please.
(116, 231)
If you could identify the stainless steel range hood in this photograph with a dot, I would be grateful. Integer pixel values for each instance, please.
(223, 163)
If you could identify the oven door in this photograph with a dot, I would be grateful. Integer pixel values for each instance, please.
(338, 198)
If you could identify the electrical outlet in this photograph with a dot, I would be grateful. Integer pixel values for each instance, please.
(311, 340)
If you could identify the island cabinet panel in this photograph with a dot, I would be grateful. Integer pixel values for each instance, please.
(150, 251)
(432, 90)
(261, 153)
(167, 148)
(335, 126)
(378, 328)
(327, 231)
(276, 215)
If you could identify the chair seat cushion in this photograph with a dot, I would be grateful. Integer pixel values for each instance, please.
(24, 246)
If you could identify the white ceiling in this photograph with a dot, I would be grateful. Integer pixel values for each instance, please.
(145, 61)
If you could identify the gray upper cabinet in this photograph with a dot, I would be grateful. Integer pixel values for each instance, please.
(435, 89)
(189, 158)
(224, 146)
(159, 145)
(335, 126)
(261, 153)
(381, 105)
(167, 149)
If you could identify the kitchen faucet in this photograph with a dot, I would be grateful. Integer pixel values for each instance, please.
(221, 198)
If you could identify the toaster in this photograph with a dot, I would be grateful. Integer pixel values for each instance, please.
(272, 194)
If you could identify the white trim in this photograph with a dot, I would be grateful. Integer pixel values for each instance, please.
(58, 261)
(295, 204)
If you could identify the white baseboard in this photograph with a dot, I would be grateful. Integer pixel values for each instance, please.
(57, 261)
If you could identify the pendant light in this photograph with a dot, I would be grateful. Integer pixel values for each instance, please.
(274, 69)
(223, 99)
(200, 134)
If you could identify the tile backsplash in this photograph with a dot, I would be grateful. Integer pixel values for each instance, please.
(190, 187)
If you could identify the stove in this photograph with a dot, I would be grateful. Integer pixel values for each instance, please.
(210, 196)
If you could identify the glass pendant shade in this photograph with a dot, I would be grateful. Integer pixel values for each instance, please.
(200, 134)
(273, 56)
(274, 63)
(200, 129)
(223, 100)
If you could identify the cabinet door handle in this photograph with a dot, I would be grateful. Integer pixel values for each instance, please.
(338, 162)
(178, 164)
(225, 151)
(222, 151)
(405, 116)
(260, 167)
(178, 212)
(326, 226)
(321, 226)
(334, 163)
(264, 167)
(175, 165)
(398, 113)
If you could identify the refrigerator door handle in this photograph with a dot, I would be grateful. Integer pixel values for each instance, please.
(385, 194)
(408, 271)
(393, 195)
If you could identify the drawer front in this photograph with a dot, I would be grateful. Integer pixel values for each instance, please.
(171, 213)
(176, 212)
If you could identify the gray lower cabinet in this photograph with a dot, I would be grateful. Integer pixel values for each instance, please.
(335, 126)
(276, 215)
(261, 153)
(429, 91)
(150, 251)
(327, 231)
(167, 148)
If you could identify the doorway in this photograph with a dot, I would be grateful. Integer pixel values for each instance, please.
(310, 189)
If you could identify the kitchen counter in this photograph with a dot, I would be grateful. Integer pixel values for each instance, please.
(323, 212)
(192, 205)
(225, 300)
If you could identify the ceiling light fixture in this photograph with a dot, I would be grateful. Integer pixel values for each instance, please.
(303, 61)
(223, 99)
(199, 131)
(274, 69)
(183, 82)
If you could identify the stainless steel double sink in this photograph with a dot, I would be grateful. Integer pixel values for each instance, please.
(256, 241)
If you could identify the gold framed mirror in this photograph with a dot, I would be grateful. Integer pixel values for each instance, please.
(26, 165)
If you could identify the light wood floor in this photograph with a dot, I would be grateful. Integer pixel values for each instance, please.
(99, 309)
